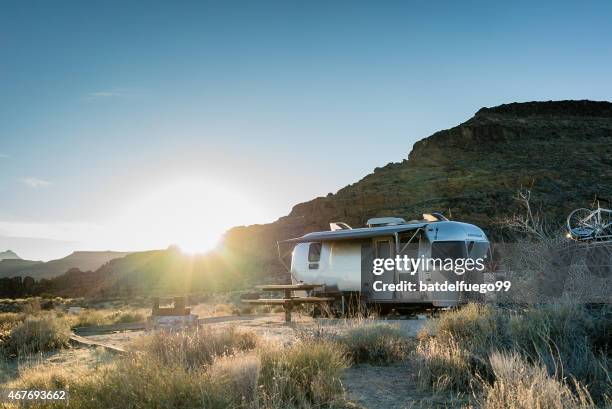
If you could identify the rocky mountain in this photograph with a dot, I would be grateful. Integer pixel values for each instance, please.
(82, 260)
(561, 150)
(9, 255)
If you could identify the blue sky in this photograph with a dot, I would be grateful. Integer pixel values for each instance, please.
(103, 104)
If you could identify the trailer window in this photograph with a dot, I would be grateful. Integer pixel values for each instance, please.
(409, 244)
(383, 249)
(314, 252)
(448, 249)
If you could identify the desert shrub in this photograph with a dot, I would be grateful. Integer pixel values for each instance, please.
(271, 377)
(38, 334)
(48, 378)
(519, 385)
(223, 309)
(31, 306)
(194, 348)
(124, 317)
(146, 383)
(454, 351)
(90, 318)
(10, 319)
(305, 373)
(95, 317)
(246, 310)
(237, 377)
(565, 337)
(263, 309)
(444, 366)
(375, 343)
(134, 382)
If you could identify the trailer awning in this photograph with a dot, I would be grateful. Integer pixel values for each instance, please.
(353, 234)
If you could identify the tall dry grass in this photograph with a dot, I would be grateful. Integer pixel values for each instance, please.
(303, 375)
(195, 348)
(459, 351)
(95, 317)
(364, 340)
(10, 319)
(37, 334)
(520, 385)
(375, 343)
(204, 369)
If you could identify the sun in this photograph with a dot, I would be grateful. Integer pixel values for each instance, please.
(191, 214)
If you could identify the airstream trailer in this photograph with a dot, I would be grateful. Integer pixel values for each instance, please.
(342, 260)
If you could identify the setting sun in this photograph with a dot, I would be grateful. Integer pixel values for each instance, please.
(191, 214)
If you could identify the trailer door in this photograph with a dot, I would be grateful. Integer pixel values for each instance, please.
(409, 246)
(384, 249)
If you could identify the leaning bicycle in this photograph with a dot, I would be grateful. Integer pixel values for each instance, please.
(590, 225)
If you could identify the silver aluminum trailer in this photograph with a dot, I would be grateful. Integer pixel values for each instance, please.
(341, 260)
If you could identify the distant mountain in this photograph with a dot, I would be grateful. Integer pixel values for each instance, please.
(149, 272)
(9, 255)
(82, 260)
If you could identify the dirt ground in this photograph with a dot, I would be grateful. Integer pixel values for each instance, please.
(392, 387)
(269, 326)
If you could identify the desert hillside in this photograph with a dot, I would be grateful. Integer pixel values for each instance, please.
(562, 150)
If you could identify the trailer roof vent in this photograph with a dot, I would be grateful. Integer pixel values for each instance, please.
(339, 226)
(385, 221)
(434, 217)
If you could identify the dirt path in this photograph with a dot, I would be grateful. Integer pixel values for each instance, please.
(392, 387)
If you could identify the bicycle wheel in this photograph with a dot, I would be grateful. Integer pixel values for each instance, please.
(580, 224)
(604, 230)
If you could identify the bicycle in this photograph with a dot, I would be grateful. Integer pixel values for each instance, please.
(590, 225)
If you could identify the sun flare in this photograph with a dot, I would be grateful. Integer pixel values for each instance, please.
(190, 214)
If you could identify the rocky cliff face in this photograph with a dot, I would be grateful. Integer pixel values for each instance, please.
(561, 150)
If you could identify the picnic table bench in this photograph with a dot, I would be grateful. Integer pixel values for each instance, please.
(289, 301)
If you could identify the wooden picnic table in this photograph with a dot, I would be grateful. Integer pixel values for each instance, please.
(289, 300)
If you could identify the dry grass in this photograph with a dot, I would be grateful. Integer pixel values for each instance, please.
(519, 385)
(456, 351)
(303, 375)
(206, 369)
(10, 319)
(375, 343)
(365, 340)
(37, 334)
(237, 376)
(195, 348)
(95, 317)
